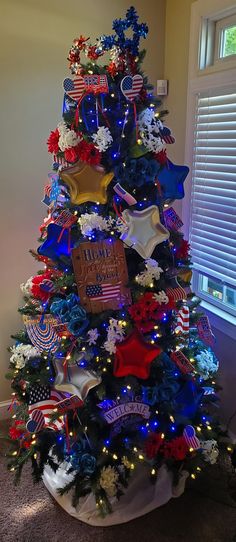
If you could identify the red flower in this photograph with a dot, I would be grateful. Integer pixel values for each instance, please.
(88, 153)
(176, 449)
(161, 157)
(26, 444)
(71, 154)
(16, 431)
(36, 289)
(112, 69)
(52, 142)
(182, 252)
(152, 445)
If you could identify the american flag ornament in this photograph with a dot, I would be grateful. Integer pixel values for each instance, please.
(44, 399)
(131, 86)
(74, 88)
(65, 219)
(172, 220)
(36, 422)
(103, 292)
(96, 84)
(190, 438)
(183, 320)
(204, 330)
(182, 362)
(166, 135)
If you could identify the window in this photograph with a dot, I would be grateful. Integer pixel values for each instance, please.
(213, 205)
(210, 210)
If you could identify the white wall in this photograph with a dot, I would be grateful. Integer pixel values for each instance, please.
(35, 39)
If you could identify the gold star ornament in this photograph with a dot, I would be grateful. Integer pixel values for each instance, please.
(145, 231)
(87, 183)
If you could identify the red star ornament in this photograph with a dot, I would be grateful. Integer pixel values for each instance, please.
(134, 356)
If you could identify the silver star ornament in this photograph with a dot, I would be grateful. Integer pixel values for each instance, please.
(145, 230)
(74, 379)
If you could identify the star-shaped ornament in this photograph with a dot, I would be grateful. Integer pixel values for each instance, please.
(134, 356)
(145, 230)
(171, 179)
(74, 379)
(87, 183)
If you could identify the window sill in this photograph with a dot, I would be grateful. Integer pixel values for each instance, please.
(224, 322)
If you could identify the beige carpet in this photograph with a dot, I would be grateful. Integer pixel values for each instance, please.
(28, 514)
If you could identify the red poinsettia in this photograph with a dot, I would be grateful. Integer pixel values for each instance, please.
(182, 252)
(92, 52)
(72, 154)
(88, 153)
(37, 288)
(176, 449)
(153, 445)
(52, 142)
(19, 432)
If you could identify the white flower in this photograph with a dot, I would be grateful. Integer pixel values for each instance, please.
(161, 297)
(92, 221)
(207, 363)
(68, 138)
(115, 333)
(92, 336)
(210, 451)
(149, 129)
(151, 272)
(152, 142)
(26, 287)
(108, 480)
(102, 139)
(22, 353)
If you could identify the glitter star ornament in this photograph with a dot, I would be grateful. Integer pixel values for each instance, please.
(86, 183)
(74, 379)
(145, 230)
(134, 356)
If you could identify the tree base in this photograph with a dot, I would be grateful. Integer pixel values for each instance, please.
(140, 497)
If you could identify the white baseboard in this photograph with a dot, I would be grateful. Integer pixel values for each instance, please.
(4, 412)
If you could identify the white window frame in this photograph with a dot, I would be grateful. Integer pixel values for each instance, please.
(222, 25)
(219, 75)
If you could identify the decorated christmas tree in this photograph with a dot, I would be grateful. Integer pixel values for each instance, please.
(112, 371)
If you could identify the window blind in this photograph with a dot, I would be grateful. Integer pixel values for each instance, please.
(213, 217)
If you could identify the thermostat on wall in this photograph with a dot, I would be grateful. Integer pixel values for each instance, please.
(162, 87)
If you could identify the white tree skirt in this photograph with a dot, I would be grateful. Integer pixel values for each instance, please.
(140, 497)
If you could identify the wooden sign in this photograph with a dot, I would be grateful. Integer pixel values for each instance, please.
(101, 275)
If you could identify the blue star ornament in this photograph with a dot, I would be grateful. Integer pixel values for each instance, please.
(171, 179)
(57, 244)
(120, 39)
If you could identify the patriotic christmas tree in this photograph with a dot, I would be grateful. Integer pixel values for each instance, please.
(112, 371)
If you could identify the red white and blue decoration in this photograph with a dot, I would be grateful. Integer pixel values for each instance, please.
(182, 362)
(36, 421)
(172, 219)
(44, 399)
(131, 86)
(183, 320)
(205, 331)
(94, 84)
(41, 332)
(190, 437)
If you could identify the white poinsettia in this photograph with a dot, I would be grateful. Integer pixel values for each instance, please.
(115, 333)
(102, 139)
(21, 353)
(210, 450)
(92, 221)
(207, 363)
(149, 131)
(152, 271)
(68, 138)
(109, 480)
(26, 287)
(161, 297)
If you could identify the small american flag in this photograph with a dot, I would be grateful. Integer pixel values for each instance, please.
(190, 437)
(65, 219)
(182, 320)
(74, 87)
(44, 399)
(103, 291)
(204, 330)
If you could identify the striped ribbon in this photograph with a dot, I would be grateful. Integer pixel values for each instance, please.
(182, 320)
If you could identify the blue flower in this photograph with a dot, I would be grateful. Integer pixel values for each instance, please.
(87, 464)
(77, 326)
